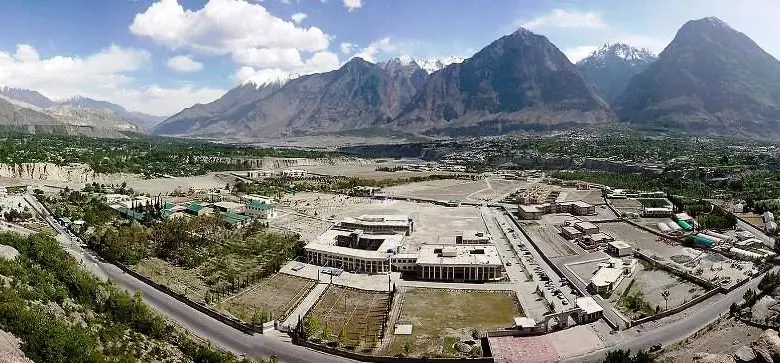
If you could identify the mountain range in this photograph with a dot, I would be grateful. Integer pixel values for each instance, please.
(711, 79)
(22, 107)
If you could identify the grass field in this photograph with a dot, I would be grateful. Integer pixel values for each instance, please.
(350, 316)
(441, 318)
(276, 295)
(183, 281)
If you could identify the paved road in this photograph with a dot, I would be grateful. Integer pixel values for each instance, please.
(675, 331)
(257, 345)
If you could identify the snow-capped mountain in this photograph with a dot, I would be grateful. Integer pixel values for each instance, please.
(429, 65)
(622, 51)
(610, 68)
(434, 64)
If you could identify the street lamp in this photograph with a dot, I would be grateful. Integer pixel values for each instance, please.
(390, 255)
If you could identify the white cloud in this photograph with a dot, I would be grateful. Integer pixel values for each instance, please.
(566, 19)
(223, 26)
(267, 72)
(348, 48)
(104, 75)
(370, 52)
(577, 53)
(184, 63)
(352, 5)
(298, 17)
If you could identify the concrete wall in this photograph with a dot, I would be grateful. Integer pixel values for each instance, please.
(676, 271)
(678, 309)
(387, 359)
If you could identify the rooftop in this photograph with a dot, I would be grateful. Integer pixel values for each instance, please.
(260, 205)
(620, 244)
(326, 242)
(377, 220)
(606, 276)
(459, 255)
(228, 205)
(588, 305)
(586, 225)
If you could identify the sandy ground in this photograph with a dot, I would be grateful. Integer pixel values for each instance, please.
(724, 337)
(463, 190)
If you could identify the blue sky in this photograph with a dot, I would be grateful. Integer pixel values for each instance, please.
(163, 55)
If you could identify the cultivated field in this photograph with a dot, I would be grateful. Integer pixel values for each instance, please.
(440, 318)
(180, 280)
(350, 316)
(276, 295)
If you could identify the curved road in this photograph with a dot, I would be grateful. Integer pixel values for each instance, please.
(257, 345)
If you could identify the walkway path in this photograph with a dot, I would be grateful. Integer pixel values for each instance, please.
(306, 304)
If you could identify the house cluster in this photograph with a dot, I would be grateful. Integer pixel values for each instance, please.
(287, 173)
(233, 213)
(375, 244)
(585, 234)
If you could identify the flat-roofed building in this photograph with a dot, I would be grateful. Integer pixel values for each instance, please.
(261, 210)
(611, 273)
(577, 208)
(591, 310)
(529, 212)
(354, 250)
(473, 237)
(619, 248)
(295, 173)
(569, 232)
(231, 207)
(459, 263)
(586, 227)
(657, 212)
(379, 224)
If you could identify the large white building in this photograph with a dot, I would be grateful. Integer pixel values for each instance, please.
(377, 247)
(379, 224)
(459, 263)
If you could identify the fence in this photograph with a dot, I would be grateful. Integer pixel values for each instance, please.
(676, 271)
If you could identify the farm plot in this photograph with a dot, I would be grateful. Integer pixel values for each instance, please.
(350, 316)
(441, 318)
(275, 296)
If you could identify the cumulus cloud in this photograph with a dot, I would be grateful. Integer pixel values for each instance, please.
(105, 75)
(264, 72)
(566, 19)
(369, 53)
(348, 48)
(575, 54)
(298, 17)
(184, 63)
(224, 26)
(352, 5)
(246, 31)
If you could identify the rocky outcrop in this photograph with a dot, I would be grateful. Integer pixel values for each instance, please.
(10, 351)
(8, 253)
(48, 171)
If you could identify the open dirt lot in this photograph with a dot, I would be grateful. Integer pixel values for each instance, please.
(652, 283)
(626, 205)
(353, 317)
(441, 318)
(638, 238)
(463, 190)
(276, 295)
(592, 196)
(723, 337)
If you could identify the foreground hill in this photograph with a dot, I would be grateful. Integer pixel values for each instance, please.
(709, 79)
